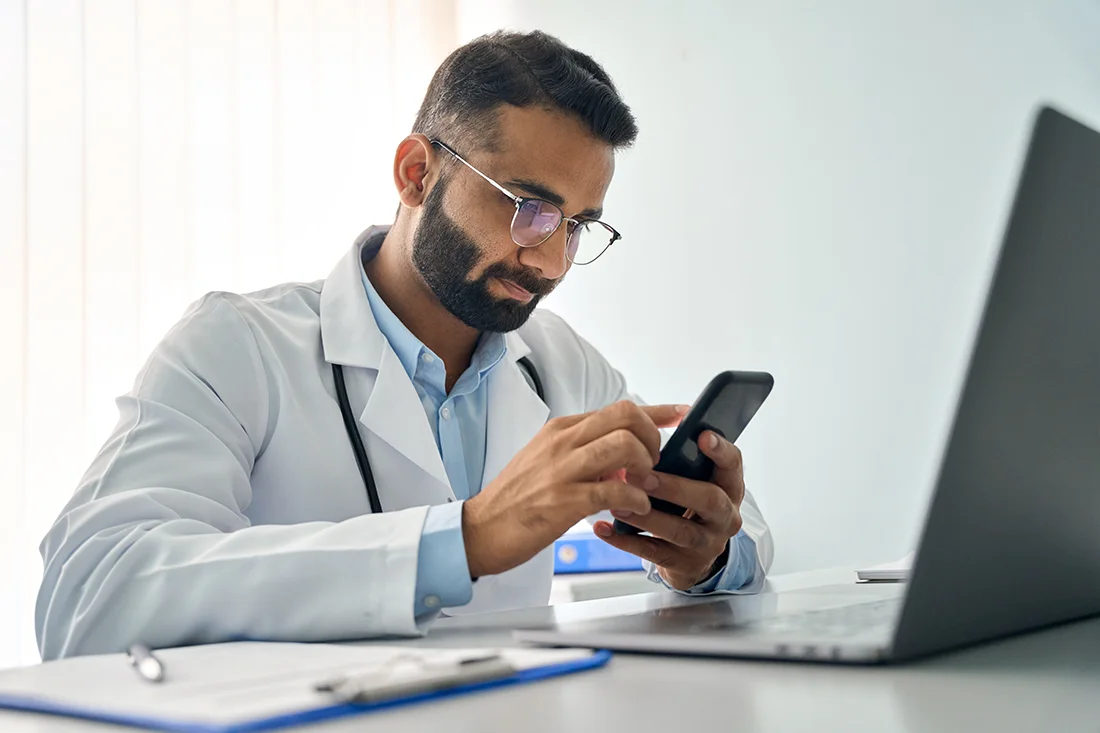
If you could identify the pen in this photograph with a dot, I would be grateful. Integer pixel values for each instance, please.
(148, 666)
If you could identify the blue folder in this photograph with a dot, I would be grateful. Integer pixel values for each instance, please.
(42, 704)
(585, 553)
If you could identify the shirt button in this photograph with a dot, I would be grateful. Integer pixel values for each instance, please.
(431, 601)
(446, 413)
(428, 358)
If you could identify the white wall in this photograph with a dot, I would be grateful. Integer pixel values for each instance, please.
(151, 151)
(818, 190)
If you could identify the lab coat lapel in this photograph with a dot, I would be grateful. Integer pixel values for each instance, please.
(515, 412)
(393, 412)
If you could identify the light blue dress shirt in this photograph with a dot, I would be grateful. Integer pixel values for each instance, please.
(458, 421)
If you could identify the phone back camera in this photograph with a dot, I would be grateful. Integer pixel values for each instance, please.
(691, 451)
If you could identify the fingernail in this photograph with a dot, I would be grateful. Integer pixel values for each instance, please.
(683, 409)
(651, 482)
(621, 514)
(712, 440)
(603, 530)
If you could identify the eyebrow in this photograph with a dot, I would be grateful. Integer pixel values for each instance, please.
(534, 188)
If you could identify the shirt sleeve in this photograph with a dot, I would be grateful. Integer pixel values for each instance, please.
(737, 575)
(442, 576)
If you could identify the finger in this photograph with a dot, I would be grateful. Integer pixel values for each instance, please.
(683, 533)
(619, 475)
(665, 416)
(626, 415)
(728, 464)
(616, 450)
(622, 415)
(657, 551)
(566, 421)
(610, 496)
(710, 502)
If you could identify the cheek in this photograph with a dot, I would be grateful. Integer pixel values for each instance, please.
(467, 230)
(495, 254)
(494, 243)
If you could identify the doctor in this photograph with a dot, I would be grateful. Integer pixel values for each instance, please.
(229, 503)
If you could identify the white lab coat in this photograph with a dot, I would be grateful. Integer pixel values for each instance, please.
(227, 503)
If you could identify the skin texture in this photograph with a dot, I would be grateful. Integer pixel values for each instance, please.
(450, 270)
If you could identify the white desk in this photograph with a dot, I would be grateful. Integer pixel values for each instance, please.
(1048, 681)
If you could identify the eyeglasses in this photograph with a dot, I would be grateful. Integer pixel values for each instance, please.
(536, 220)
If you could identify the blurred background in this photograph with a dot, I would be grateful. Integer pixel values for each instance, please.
(817, 190)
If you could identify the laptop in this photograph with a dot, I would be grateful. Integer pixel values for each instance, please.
(1011, 540)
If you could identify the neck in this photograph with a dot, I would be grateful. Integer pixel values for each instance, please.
(393, 275)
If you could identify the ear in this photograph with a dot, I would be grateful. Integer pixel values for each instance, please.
(414, 169)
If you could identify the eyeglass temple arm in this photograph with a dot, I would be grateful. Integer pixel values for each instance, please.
(490, 181)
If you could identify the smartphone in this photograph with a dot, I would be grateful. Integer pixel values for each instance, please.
(726, 406)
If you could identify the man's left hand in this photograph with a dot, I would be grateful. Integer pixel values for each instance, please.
(685, 549)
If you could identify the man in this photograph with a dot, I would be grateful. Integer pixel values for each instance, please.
(230, 501)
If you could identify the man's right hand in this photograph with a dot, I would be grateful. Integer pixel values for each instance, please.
(571, 469)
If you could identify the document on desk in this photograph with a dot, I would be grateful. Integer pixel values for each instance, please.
(897, 571)
(255, 686)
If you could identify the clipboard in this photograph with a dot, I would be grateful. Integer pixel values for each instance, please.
(247, 687)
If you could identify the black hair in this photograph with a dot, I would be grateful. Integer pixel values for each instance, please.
(520, 69)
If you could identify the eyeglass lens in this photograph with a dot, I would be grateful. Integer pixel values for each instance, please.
(536, 220)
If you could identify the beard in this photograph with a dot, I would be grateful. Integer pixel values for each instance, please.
(444, 255)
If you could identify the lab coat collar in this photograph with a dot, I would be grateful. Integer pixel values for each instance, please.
(349, 333)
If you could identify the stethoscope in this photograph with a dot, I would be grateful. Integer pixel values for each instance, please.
(356, 440)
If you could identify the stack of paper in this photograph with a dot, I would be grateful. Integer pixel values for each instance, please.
(890, 571)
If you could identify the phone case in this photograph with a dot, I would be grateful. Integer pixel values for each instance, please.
(726, 406)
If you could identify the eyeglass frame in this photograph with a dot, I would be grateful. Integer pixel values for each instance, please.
(519, 201)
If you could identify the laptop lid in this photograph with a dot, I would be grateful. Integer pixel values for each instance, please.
(1012, 538)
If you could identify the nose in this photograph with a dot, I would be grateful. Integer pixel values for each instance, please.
(549, 257)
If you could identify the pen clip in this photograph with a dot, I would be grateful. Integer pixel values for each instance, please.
(387, 681)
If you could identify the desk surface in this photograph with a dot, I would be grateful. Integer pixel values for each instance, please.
(1049, 681)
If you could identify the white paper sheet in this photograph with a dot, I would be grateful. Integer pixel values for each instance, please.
(223, 684)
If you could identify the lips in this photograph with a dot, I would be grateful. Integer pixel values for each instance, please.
(515, 291)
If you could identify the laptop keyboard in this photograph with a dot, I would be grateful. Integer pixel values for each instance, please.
(833, 623)
(841, 622)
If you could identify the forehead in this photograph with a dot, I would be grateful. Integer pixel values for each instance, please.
(557, 151)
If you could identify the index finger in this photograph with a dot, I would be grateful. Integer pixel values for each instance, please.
(642, 420)
(665, 416)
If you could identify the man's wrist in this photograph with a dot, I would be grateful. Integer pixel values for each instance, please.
(471, 540)
(718, 565)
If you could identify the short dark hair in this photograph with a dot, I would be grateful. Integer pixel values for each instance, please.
(521, 69)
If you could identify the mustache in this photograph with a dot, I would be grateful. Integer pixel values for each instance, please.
(526, 279)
